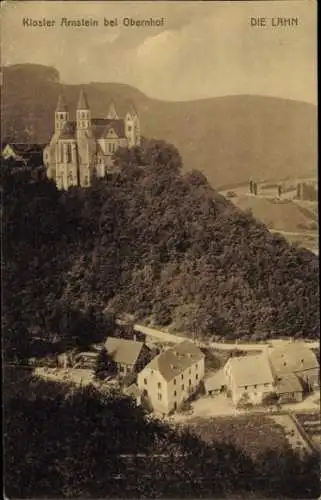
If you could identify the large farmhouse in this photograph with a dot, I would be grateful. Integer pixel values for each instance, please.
(172, 377)
(249, 377)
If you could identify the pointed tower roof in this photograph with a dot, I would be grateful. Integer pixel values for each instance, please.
(61, 104)
(132, 109)
(112, 113)
(82, 101)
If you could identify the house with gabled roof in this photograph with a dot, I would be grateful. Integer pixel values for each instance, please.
(249, 377)
(172, 377)
(289, 388)
(129, 356)
(23, 153)
(297, 359)
(82, 149)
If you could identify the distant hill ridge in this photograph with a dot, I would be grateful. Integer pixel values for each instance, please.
(228, 138)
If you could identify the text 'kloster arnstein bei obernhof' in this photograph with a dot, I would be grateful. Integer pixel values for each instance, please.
(113, 22)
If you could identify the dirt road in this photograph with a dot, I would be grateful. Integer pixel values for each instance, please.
(169, 337)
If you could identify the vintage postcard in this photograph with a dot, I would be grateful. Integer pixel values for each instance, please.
(160, 250)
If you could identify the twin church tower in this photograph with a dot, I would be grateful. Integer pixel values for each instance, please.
(84, 148)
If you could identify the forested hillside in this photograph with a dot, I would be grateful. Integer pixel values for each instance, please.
(153, 242)
(229, 138)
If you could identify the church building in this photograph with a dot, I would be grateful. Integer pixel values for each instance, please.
(83, 148)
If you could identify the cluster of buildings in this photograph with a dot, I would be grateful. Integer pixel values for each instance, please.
(163, 381)
(82, 149)
(286, 372)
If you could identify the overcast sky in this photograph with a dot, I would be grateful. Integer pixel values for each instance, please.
(203, 50)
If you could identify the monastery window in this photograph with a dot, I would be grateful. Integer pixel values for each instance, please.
(129, 128)
(175, 394)
(68, 153)
(255, 386)
(61, 116)
(159, 396)
(174, 381)
(159, 385)
(189, 382)
(182, 387)
(196, 376)
(266, 385)
(245, 387)
(145, 381)
(189, 371)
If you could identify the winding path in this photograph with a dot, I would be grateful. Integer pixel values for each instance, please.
(169, 337)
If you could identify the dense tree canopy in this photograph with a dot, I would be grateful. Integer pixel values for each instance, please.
(82, 443)
(151, 242)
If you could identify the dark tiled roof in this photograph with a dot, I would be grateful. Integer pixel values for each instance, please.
(101, 126)
(176, 360)
(69, 130)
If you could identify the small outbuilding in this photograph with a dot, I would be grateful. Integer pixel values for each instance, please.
(289, 389)
(216, 383)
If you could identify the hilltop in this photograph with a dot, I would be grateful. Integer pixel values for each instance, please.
(156, 243)
(229, 139)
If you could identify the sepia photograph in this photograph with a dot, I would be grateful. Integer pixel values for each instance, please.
(160, 250)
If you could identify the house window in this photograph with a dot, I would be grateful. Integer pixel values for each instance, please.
(182, 387)
(159, 396)
(175, 394)
(255, 386)
(174, 381)
(189, 382)
(129, 128)
(266, 385)
(145, 381)
(182, 376)
(196, 376)
(121, 369)
(61, 116)
(245, 387)
(159, 385)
